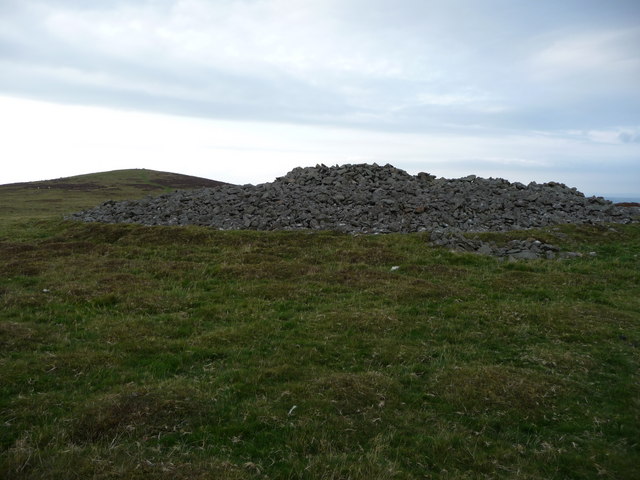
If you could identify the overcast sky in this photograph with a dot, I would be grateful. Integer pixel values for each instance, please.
(245, 90)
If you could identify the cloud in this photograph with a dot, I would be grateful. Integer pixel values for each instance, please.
(74, 139)
(602, 56)
(367, 64)
(475, 75)
(271, 60)
(628, 137)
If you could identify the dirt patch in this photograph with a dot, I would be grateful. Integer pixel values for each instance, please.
(62, 249)
(9, 249)
(24, 268)
(126, 413)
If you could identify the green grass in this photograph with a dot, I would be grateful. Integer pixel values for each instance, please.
(165, 352)
(69, 194)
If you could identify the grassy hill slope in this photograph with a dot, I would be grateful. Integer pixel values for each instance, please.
(64, 195)
(186, 352)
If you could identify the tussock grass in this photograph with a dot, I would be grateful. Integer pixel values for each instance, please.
(164, 352)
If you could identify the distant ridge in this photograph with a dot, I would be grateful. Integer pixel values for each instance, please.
(140, 178)
(623, 198)
(64, 195)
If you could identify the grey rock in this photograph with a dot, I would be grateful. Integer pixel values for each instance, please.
(529, 249)
(485, 249)
(524, 255)
(369, 199)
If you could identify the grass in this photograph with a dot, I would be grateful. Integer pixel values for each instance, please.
(186, 352)
(64, 195)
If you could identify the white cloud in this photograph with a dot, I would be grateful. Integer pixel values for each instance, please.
(471, 100)
(368, 63)
(298, 38)
(74, 140)
(599, 54)
(611, 136)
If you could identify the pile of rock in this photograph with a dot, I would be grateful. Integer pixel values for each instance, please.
(528, 249)
(367, 199)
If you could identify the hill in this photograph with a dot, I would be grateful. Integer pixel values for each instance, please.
(64, 195)
(132, 351)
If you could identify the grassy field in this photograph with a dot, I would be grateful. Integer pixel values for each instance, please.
(64, 195)
(190, 353)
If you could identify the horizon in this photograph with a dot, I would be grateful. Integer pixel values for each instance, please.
(243, 92)
(616, 197)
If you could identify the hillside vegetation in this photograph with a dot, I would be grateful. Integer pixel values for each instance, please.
(65, 195)
(187, 352)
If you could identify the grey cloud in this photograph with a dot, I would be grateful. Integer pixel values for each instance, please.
(445, 49)
(210, 93)
(626, 137)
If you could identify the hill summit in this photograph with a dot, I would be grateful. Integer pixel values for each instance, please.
(367, 199)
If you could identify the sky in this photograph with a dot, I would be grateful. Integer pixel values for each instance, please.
(245, 90)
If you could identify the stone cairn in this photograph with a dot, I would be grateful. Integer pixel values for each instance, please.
(370, 199)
